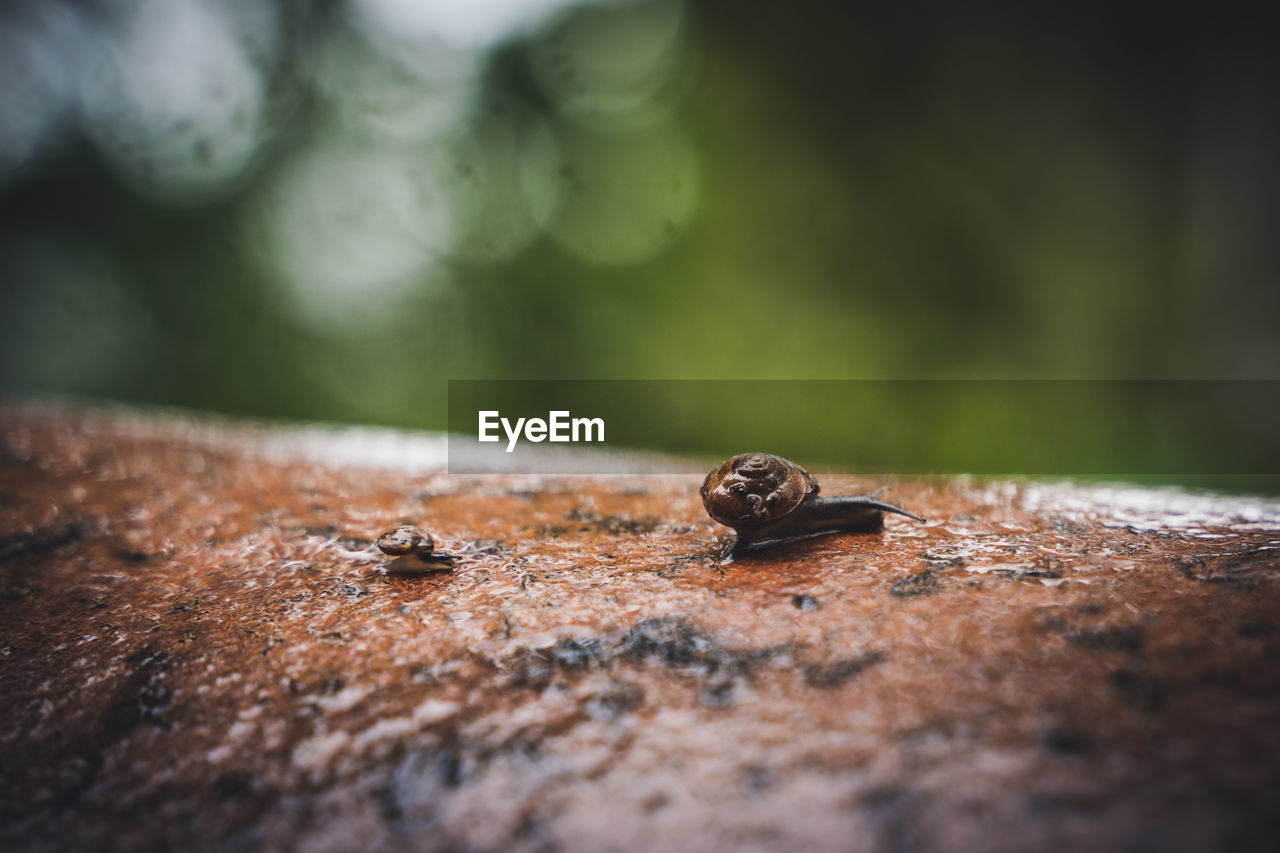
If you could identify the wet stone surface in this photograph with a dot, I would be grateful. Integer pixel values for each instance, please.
(198, 649)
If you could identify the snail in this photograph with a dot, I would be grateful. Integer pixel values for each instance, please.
(414, 551)
(766, 498)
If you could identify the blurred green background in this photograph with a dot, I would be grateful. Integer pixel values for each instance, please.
(325, 210)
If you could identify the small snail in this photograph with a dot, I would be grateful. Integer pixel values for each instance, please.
(766, 498)
(414, 551)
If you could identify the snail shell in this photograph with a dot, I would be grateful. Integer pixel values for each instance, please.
(754, 489)
(400, 541)
(414, 551)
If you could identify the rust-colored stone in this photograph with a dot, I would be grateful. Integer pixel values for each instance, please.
(198, 651)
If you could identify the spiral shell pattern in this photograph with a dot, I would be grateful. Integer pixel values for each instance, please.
(753, 489)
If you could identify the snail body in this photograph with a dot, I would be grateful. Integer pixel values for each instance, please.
(767, 498)
(413, 551)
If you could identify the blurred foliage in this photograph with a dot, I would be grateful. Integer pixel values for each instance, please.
(362, 206)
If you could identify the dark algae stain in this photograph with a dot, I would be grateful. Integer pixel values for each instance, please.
(40, 541)
(829, 675)
(921, 583)
(1115, 638)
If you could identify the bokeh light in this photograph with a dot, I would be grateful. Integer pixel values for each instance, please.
(173, 100)
(476, 25)
(40, 48)
(345, 232)
(614, 63)
(504, 174)
(393, 90)
(625, 196)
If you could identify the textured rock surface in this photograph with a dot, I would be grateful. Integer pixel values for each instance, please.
(198, 650)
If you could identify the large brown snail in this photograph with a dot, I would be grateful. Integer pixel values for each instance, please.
(766, 498)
